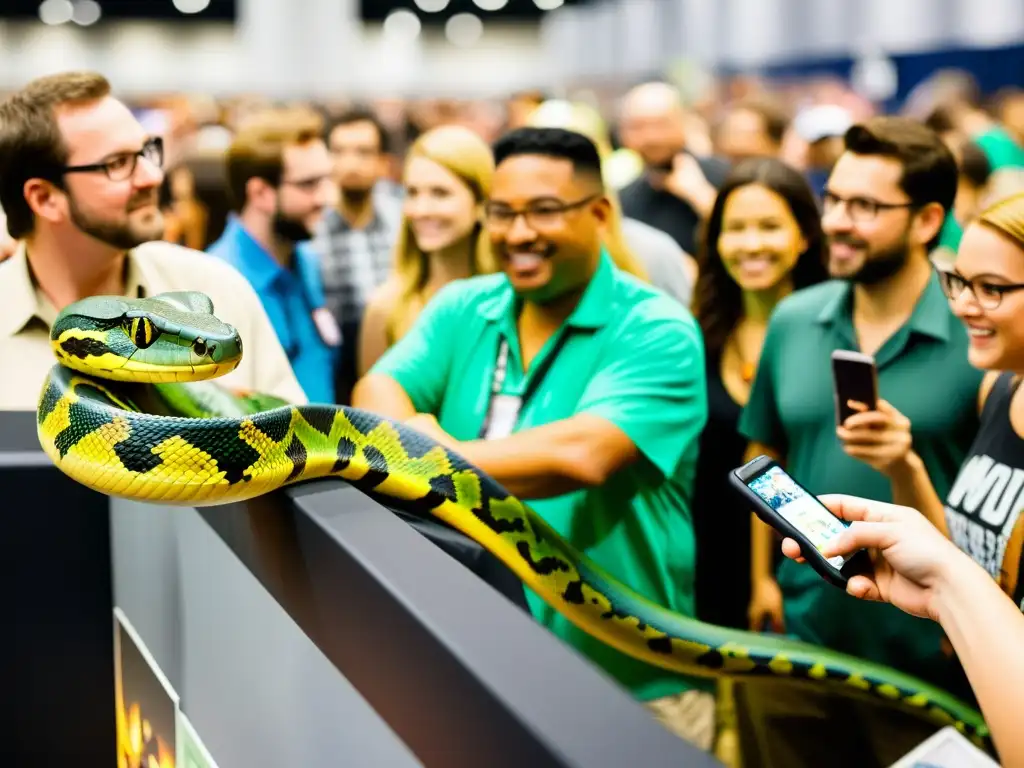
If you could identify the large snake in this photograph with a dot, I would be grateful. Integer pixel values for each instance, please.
(128, 412)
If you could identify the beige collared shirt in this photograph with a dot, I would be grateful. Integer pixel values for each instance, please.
(26, 316)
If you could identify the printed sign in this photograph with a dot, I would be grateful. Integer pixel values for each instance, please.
(146, 706)
(946, 749)
(191, 751)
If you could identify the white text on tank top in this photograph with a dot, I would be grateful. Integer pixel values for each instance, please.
(983, 507)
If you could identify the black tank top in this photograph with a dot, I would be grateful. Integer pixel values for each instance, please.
(721, 520)
(983, 509)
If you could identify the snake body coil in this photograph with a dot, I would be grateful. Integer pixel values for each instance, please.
(195, 444)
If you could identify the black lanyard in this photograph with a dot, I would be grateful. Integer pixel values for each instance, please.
(501, 370)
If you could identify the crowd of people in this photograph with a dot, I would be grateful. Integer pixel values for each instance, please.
(607, 322)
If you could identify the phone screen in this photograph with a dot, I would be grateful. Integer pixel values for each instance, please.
(800, 509)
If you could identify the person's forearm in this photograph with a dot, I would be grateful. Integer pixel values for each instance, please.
(703, 200)
(911, 487)
(762, 546)
(546, 461)
(384, 396)
(987, 631)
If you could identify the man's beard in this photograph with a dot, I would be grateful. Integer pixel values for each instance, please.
(290, 229)
(881, 265)
(122, 234)
(355, 197)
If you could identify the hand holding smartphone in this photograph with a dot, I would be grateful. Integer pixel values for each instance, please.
(790, 509)
(854, 377)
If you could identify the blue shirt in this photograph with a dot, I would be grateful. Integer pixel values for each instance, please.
(287, 303)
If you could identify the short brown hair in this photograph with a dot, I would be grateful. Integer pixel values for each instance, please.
(773, 114)
(257, 151)
(930, 172)
(31, 145)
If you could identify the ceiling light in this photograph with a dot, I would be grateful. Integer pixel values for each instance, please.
(431, 6)
(548, 5)
(490, 5)
(86, 12)
(55, 11)
(463, 29)
(191, 6)
(401, 26)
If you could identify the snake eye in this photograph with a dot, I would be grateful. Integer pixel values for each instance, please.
(141, 331)
(199, 347)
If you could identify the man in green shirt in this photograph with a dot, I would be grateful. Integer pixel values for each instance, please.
(574, 385)
(884, 205)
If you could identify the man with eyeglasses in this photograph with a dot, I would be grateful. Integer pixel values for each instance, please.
(279, 179)
(883, 208)
(577, 387)
(79, 179)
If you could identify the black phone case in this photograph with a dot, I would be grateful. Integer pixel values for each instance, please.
(853, 381)
(773, 519)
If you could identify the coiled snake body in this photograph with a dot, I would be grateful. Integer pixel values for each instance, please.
(119, 414)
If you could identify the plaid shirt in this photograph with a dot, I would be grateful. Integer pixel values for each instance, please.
(355, 261)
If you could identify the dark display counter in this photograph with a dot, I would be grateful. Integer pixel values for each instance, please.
(309, 627)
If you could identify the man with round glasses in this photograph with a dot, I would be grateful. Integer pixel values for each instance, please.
(79, 184)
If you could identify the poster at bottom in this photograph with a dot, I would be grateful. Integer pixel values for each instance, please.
(146, 706)
(192, 753)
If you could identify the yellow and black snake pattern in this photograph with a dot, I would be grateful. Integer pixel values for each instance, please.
(119, 414)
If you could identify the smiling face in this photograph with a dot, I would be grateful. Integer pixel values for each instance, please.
(122, 212)
(760, 241)
(994, 316)
(866, 219)
(545, 222)
(438, 205)
(358, 156)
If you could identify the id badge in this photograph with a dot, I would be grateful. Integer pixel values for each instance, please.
(327, 326)
(503, 416)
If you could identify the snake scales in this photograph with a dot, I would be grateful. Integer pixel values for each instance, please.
(127, 411)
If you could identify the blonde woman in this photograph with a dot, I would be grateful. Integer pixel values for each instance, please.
(447, 178)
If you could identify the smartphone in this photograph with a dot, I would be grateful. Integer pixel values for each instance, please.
(854, 377)
(789, 508)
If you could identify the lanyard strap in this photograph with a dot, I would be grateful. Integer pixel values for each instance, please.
(501, 371)
(500, 368)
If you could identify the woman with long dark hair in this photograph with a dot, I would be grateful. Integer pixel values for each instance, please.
(761, 242)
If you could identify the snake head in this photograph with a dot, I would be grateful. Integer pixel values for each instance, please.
(159, 339)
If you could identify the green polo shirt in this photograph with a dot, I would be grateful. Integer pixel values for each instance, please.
(1000, 148)
(630, 355)
(923, 371)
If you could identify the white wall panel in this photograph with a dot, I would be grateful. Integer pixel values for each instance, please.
(988, 22)
(751, 33)
(215, 58)
(639, 27)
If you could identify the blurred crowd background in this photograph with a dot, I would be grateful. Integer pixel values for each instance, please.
(784, 75)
